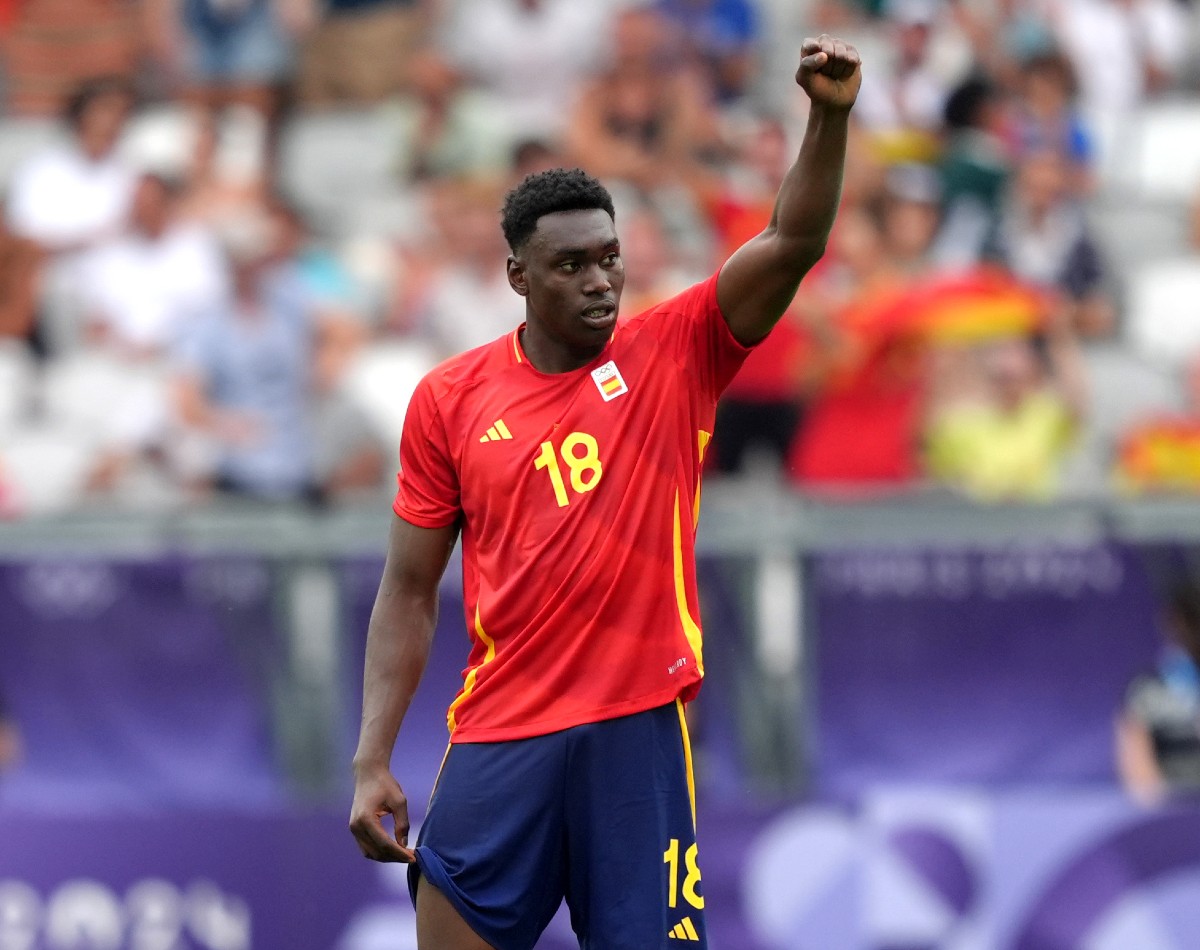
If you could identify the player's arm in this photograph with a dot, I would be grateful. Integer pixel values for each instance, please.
(398, 639)
(1137, 765)
(758, 282)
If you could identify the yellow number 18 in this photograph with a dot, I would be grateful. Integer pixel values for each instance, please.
(585, 469)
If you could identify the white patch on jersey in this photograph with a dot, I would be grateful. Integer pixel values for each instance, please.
(609, 381)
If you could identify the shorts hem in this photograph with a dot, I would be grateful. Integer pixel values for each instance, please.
(435, 873)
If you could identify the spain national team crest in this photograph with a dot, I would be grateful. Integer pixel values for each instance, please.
(609, 381)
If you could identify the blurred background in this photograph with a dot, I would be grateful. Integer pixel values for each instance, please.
(950, 552)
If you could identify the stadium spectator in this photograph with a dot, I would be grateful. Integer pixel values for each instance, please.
(226, 53)
(448, 128)
(49, 47)
(243, 381)
(655, 271)
(1005, 36)
(911, 215)
(1008, 433)
(20, 259)
(903, 100)
(1158, 731)
(347, 451)
(1122, 50)
(646, 119)
(218, 191)
(466, 300)
(1046, 118)
(1160, 452)
(1045, 240)
(360, 51)
(233, 59)
(531, 156)
(529, 57)
(722, 35)
(258, 376)
(867, 376)
(69, 196)
(140, 289)
(974, 171)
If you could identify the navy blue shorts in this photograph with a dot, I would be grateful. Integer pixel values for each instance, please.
(601, 815)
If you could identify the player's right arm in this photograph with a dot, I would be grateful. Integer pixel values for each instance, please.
(398, 639)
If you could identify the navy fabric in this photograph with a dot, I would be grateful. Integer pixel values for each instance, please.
(599, 815)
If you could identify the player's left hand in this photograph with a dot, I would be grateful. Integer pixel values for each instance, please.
(830, 72)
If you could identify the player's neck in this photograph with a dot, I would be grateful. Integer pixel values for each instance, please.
(551, 356)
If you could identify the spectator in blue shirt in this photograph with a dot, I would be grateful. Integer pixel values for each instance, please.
(244, 381)
(722, 35)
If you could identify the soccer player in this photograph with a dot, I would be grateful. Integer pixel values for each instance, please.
(568, 455)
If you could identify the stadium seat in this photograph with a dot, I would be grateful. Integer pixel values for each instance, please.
(46, 468)
(1166, 163)
(381, 381)
(1123, 390)
(333, 160)
(1133, 231)
(1114, 142)
(121, 404)
(1164, 310)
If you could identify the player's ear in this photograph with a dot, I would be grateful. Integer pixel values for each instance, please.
(516, 276)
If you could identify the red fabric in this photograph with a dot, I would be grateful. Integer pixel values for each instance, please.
(588, 593)
(864, 430)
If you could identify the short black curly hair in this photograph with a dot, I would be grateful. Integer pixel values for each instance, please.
(548, 192)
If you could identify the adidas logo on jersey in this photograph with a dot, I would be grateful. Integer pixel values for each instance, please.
(684, 930)
(496, 433)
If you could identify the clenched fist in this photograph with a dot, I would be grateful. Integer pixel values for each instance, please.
(830, 72)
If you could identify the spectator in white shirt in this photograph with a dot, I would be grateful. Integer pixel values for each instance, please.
(139, 289)
(531, 56)
(69, 196)
(1122, 50)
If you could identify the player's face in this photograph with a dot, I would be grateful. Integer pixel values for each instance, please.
(571, 274)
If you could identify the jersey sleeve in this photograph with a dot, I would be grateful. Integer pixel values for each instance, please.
(692, 327)
(427, 493)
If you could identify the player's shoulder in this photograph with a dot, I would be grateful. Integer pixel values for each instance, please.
(694, 299)
(458, 375)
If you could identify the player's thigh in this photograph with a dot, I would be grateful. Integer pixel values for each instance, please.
(634, 878)
(493, 840)
(440, 926)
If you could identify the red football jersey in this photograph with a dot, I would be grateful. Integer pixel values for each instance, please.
(578, 494)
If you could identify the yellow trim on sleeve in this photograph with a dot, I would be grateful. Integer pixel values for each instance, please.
(687, 759)
(691, 629)
(469, 683)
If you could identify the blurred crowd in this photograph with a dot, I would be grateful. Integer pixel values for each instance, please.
(236, 232)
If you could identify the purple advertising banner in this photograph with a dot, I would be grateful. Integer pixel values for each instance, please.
(921, 869)
(998, 666)
(139, 683)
